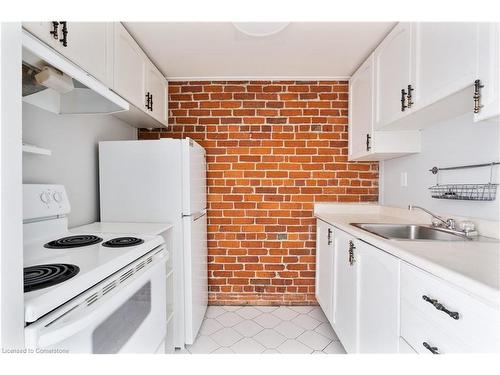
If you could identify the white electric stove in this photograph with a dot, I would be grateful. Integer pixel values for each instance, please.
(89, 291)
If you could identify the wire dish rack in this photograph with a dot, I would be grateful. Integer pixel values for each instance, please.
(466, 192)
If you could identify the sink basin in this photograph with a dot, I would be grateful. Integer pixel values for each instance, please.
(410, 232)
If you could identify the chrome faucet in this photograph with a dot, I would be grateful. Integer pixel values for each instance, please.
(447, 223)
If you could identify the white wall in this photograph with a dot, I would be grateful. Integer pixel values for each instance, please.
(455, 142)
(74, 162)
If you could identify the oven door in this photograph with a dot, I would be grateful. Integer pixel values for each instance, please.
(129, 317)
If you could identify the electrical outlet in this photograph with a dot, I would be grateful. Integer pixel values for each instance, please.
(404, 179)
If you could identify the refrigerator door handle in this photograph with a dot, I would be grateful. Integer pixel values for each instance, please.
(196, 215)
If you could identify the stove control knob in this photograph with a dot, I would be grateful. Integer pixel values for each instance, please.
(57, 196)
(45, 197)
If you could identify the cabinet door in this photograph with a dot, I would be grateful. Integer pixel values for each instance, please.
(42, 31)
(129, 68)
(378, 278)
(361, 87)
(87, 45)
(445, 59)
(392, 74)
(324, 268)
(345, 296)
(156, 86)
(489, 70)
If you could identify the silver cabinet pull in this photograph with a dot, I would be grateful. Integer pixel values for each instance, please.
(440, 307)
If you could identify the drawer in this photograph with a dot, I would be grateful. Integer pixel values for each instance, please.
(416, 330)
(405, 348)
(477, 325)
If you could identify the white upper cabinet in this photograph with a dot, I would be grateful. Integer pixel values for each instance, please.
(444, 60)
(488, 71)
(346, 295)
(324, 268)
(393, 63)
(86, 44)
(378, 300)
(361, 99)
(156, 93)
(366, 143)
(129, 68)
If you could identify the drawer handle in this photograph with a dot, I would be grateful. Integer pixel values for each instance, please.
(432, 349)
(440, 307)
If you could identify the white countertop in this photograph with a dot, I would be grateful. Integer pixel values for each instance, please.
(473, 266)
(137, 228)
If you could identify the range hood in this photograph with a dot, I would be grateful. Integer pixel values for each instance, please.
(82, 93)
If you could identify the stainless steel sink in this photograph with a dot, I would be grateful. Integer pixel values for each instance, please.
(410, 232)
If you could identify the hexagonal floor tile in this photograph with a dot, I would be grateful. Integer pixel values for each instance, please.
(335, 347)
(294, 347)
(305, 321)
(285, 313)
(248, 346)
(267, 320)
(318, 314)
(209, 326)
(214, 311)
(248, 312)
(226, 337)
(248, 328)
(288, 329)
(269, 338)
(203, 345)
(326, 330)
(302, 309)
(314, 340)
(223, 350)
(229, 319)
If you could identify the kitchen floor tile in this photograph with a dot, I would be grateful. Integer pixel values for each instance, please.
(289, 330)
(267, 320)
(305, 321)
(210, 326)
(270, 338)
(248, 312)
(266, 330)
(326, 330)
(229, 319)
(248, 328)
(203, 345)
(248, 346)
(314, 340)
(226, 337)
(285, 313)
(294, 347)
(335, 347)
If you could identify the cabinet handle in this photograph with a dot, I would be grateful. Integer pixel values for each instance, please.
(329, 236)
(368, 146)
(64, 30)
(477, 95)
(151, 103)
(55, 32)
(403, 100)
(351, 253)
(148, 101)
(409, 97)
(440, 307)
(432, 349)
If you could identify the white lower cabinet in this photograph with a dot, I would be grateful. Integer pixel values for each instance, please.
(345, 293)
(378, 303)
(324, 268)
(378, 289)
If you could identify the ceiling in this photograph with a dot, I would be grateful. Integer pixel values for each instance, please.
(218, 50)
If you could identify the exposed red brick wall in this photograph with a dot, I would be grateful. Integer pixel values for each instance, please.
(274, 148)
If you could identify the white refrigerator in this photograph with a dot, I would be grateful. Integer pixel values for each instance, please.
(164, 181)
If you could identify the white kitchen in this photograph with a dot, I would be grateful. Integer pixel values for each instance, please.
(199, 186)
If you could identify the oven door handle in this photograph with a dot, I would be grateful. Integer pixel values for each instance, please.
(101, 309)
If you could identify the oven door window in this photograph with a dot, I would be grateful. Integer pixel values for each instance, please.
(114, 332)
